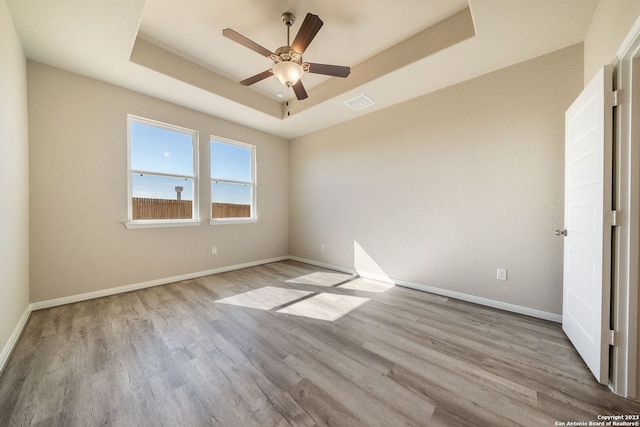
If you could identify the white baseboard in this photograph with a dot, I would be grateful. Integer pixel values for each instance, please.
(133, 287)
(532, 312)
(13, 339)
(443, 292)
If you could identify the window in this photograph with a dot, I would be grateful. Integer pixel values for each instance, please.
(233, 189)
(162, 172)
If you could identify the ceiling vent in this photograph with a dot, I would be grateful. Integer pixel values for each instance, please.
(359, 102)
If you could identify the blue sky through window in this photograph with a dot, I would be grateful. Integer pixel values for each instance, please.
(155, 149)
(163, 151)
(230, 162)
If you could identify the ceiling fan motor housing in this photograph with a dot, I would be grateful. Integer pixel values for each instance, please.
(288, 18)
(286, 54)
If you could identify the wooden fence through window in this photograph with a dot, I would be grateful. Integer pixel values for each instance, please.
(230, 210)
(146, 208)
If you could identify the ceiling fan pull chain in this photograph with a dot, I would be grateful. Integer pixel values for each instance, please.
(289, 96)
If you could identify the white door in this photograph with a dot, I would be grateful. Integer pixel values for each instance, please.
(587, 245)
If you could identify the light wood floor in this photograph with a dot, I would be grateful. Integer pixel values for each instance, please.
(194, 354)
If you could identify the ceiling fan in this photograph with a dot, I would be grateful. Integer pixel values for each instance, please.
(287, 60)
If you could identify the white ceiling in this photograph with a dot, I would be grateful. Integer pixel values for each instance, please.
(98, 38)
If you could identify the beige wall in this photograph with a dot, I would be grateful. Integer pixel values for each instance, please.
(78, 169)
(610, 24)
(14, 182)
(443, 189)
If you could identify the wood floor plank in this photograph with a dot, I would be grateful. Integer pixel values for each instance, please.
(377, 385)
(452, 408)
(473, 388)
(365, 407)
(325, 409)
(278, 396)
(173, 355)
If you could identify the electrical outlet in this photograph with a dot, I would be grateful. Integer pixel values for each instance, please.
(322, 247)
(501, 274)
(214, 250)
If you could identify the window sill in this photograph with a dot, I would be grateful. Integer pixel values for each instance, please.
(229, 221)
(161, 224)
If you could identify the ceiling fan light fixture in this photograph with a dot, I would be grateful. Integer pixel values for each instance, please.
(288, 72)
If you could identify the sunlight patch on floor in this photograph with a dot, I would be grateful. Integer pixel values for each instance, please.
(324, 306)
(321, 278)
(266, 298)
(319, 305)
(368, 285)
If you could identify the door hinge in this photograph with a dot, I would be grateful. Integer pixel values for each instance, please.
(614, 338)
(612, 218)
(613, 98)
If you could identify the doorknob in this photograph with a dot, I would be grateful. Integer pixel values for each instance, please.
(561, 232)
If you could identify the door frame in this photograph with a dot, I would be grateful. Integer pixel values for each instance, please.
(624, 375)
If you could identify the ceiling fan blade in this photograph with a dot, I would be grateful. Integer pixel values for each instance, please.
(329, 70)
(308, 30)
(255, 79)
(239, 38)
(298, 89)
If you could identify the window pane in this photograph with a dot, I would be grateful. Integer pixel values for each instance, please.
(230, 162)
(155, 149)
(230, 200)
(161, 197)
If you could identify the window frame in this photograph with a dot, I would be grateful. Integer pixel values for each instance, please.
(156, 223)
(253, 183)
